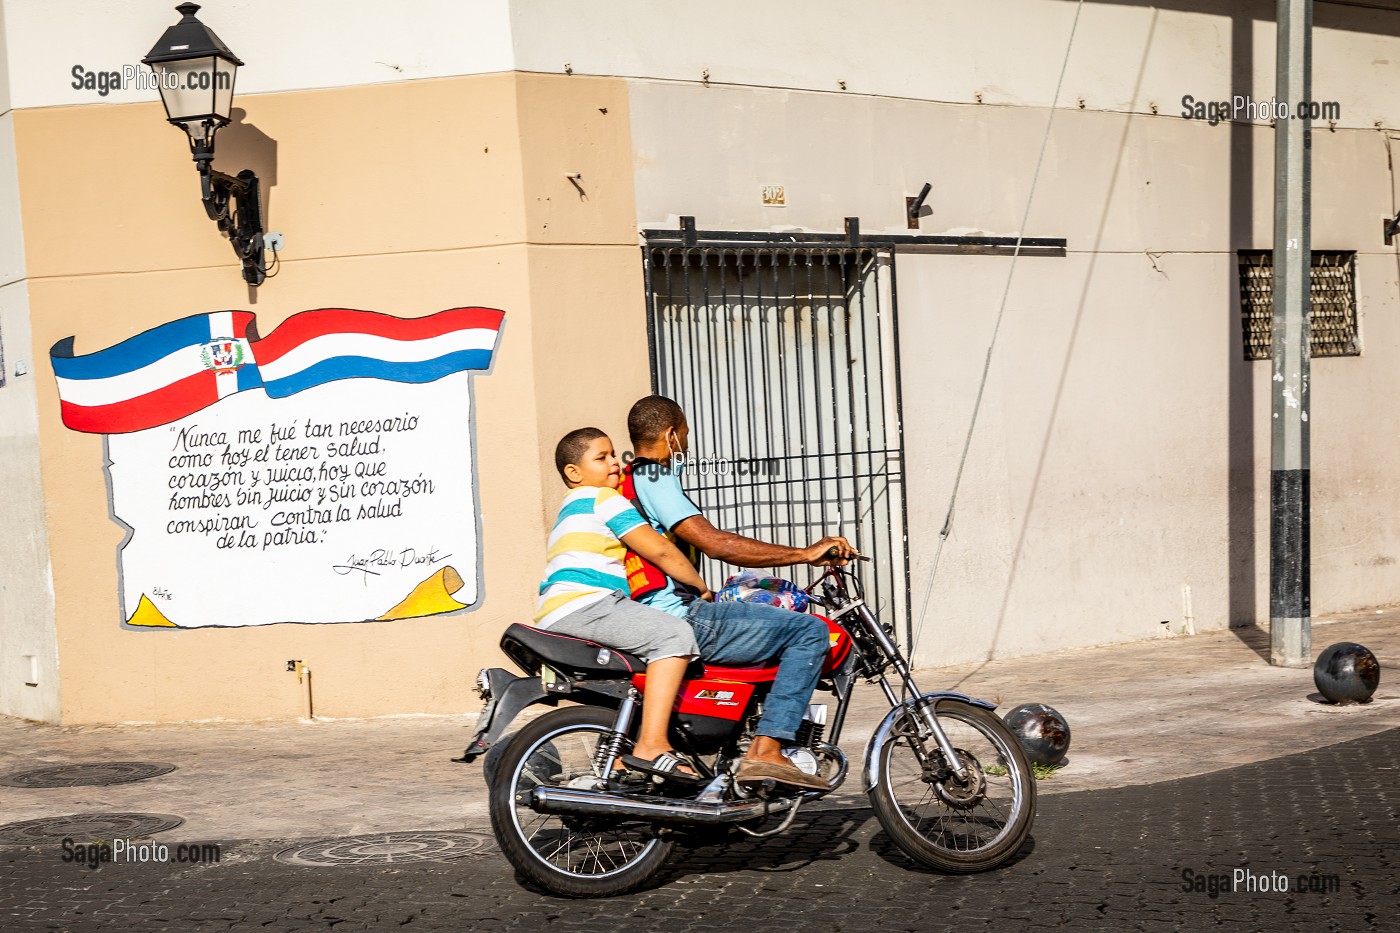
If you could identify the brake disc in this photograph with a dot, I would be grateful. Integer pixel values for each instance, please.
(961, 796)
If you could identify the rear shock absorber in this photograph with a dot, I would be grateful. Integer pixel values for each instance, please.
(609, 750)
(615, 744)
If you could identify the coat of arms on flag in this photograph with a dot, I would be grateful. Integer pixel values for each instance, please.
(224, 355)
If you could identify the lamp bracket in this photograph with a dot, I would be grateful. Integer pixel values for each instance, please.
(234, 202)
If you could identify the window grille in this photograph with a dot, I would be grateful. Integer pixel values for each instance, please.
(1333, 315)
(785, 360)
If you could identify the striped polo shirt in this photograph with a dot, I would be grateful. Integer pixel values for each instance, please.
(585, 552)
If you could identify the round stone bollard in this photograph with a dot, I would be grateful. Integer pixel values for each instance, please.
(1347, 673)
(1042, 732)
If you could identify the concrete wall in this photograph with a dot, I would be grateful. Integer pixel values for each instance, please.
(1122, 452)
(1139, 55)
(26, 588)
(1131, 55)
(287, 47)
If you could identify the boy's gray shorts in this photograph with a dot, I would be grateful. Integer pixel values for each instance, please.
(622, 623)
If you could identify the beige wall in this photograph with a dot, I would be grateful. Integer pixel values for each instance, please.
(403, 199)
(585, 265)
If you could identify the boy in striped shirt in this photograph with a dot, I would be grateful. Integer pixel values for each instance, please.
(584, 593)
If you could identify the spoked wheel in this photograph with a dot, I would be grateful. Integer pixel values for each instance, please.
(569, 855)
(952, 825)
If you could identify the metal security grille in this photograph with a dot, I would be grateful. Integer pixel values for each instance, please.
(785, 361)
(1333, 316)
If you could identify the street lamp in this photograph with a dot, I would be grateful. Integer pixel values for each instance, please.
(195, 72)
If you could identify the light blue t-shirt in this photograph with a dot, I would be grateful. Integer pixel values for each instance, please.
(665, 505)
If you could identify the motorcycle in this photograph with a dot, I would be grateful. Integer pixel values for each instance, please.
(947, 781)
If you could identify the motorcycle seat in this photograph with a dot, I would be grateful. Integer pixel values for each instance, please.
(528, 646)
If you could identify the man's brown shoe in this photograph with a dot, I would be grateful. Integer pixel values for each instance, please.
(751, 770)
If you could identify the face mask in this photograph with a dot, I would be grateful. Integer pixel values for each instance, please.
(676, 458)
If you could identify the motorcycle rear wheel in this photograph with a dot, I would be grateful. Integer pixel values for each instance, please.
(570, 856)
(945, 824)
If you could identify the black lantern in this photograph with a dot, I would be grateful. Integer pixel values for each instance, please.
(195, 72)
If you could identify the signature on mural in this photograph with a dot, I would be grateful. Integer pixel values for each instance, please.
(264, 460)
(390, 557)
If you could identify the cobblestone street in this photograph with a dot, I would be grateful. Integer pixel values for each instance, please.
(1110, 859)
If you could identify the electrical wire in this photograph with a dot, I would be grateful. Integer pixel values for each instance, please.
(996, 330)
(276, 266)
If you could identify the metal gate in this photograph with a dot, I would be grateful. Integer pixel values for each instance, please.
(785, 359)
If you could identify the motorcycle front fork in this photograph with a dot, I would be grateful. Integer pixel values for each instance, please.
(923, 706)
(615, 745)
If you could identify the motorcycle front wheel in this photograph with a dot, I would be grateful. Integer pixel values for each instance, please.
(939, 821)
(568, 855)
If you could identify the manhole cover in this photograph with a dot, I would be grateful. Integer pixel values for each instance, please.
(388, 848)
(87, 774)
(86, 827)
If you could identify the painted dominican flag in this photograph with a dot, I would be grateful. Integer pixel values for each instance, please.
(156, 377)
(179, 368)
(316, 347)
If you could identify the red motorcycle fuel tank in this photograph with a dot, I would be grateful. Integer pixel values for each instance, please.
(839, 649)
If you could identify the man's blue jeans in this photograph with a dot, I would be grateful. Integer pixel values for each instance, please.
(749, 634)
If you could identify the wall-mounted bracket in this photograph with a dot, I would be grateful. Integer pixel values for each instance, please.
(912, 206)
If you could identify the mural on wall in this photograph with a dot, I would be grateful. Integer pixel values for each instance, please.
(323, 473)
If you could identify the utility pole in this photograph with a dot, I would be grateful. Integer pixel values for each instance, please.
(1290, 572)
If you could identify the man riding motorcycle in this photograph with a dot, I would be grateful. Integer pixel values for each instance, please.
(733, 633)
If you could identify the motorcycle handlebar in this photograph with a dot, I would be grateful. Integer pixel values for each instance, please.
(832, 554)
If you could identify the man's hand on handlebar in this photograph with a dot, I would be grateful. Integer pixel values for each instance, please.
(696, 592)
(833, 550)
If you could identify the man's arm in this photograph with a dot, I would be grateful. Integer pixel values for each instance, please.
(660, 494)
(750, 552)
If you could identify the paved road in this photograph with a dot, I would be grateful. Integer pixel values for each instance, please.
(1098, 860)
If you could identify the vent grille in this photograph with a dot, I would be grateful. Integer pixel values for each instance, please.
(1333, 315)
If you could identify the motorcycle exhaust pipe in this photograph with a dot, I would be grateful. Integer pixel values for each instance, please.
(569, 801)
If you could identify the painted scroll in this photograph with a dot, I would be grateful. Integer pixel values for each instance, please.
(323, 473)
